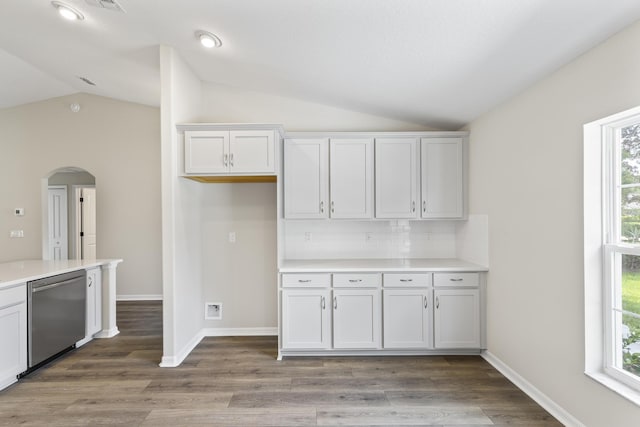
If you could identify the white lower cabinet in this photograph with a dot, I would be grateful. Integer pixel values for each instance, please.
(407, 318)
(398, 312)
(306, 320)
(356, 318)
(13, 333)
(94, 302)
(456, 318)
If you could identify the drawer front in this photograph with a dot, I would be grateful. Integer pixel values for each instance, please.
(456, 279)
(305, 280)
(407, 279)
(369, 280)
(13, 296)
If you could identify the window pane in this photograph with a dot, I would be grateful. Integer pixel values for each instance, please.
(628, 333)
(630, 154)
(630, 215)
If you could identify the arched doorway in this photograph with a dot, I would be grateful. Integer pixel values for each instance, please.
(69, 214)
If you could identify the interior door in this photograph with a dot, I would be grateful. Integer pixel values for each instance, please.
(57, 217)
(88, 223)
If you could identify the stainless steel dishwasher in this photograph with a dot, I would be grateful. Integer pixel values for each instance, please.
(56, 314)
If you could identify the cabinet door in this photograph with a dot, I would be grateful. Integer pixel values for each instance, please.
(251, 151)
(306, 323)
(396, 177)
(442, 178)
(94, 302)
(206, 151)
(457, 318)
(351, 178)
(13, 334)
(306, 179)
(356, 318)
(407, 314)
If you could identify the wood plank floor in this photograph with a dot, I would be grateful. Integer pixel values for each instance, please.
(237, 382)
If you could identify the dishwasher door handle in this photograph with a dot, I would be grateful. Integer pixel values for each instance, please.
(53, 285)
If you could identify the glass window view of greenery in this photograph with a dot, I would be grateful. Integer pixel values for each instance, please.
(622, 252)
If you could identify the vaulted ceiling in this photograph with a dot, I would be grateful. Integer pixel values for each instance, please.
(440, 63)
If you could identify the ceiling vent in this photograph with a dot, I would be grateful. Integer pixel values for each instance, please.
(86, 80)
(106, 4)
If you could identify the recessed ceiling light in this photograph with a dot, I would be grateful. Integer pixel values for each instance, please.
(68, 12)
(208, 39)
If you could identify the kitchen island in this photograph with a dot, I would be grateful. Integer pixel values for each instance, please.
(100, 307)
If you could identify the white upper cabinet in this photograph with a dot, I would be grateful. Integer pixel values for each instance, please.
(206, 151)
(248, 152)
(397, 167)
(351, 178)
(251, 151)
(306, 180)
(442, 178)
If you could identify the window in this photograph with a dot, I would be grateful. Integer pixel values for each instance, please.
(612, 252)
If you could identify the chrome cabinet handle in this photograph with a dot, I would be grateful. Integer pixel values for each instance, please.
(456, 280)
(226, 160)
(355, 280)
(90, 281)
(322, 207)
(413, 206)
(406, 280)
(231, 159)
(323, 303)
(335, 303)
(425, 301)
(304, 280)
(424, 206)
(437, 302)
(332, 207)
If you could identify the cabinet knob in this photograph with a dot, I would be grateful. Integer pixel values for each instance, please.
(323, 303)
(332, 207)
(322, 206)
(225, 159)
(413, 206)
(424, 206)
(335, 303)
(437, 302)
(425, 301)
(406, 280)
(231, 159)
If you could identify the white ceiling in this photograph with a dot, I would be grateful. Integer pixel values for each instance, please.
(439, 63)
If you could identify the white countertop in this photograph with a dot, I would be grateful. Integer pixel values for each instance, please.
(15, 272)
(375, 265)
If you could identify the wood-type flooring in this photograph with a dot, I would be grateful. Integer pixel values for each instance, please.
(236, 381)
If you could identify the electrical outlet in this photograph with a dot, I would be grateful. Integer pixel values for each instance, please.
(19, 212)
(232, 237)
(16, 233)
(307, 236)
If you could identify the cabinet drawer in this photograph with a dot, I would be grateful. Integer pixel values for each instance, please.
(370, 280)
(13, 296)
(306, 280)
(456, 279)
(407, 279)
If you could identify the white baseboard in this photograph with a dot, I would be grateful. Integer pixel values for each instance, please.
(173, 361)
(230, 332)
(541, 399)
(138, 297)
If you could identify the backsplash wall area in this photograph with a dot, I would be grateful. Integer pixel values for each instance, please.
(322, 239)
(330, 239)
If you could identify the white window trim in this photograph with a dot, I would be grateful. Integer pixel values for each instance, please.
(598, 323)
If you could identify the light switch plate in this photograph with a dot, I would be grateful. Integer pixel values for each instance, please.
(16, 233)
(19, 212)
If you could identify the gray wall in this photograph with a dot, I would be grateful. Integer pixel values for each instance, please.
(117, 142)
